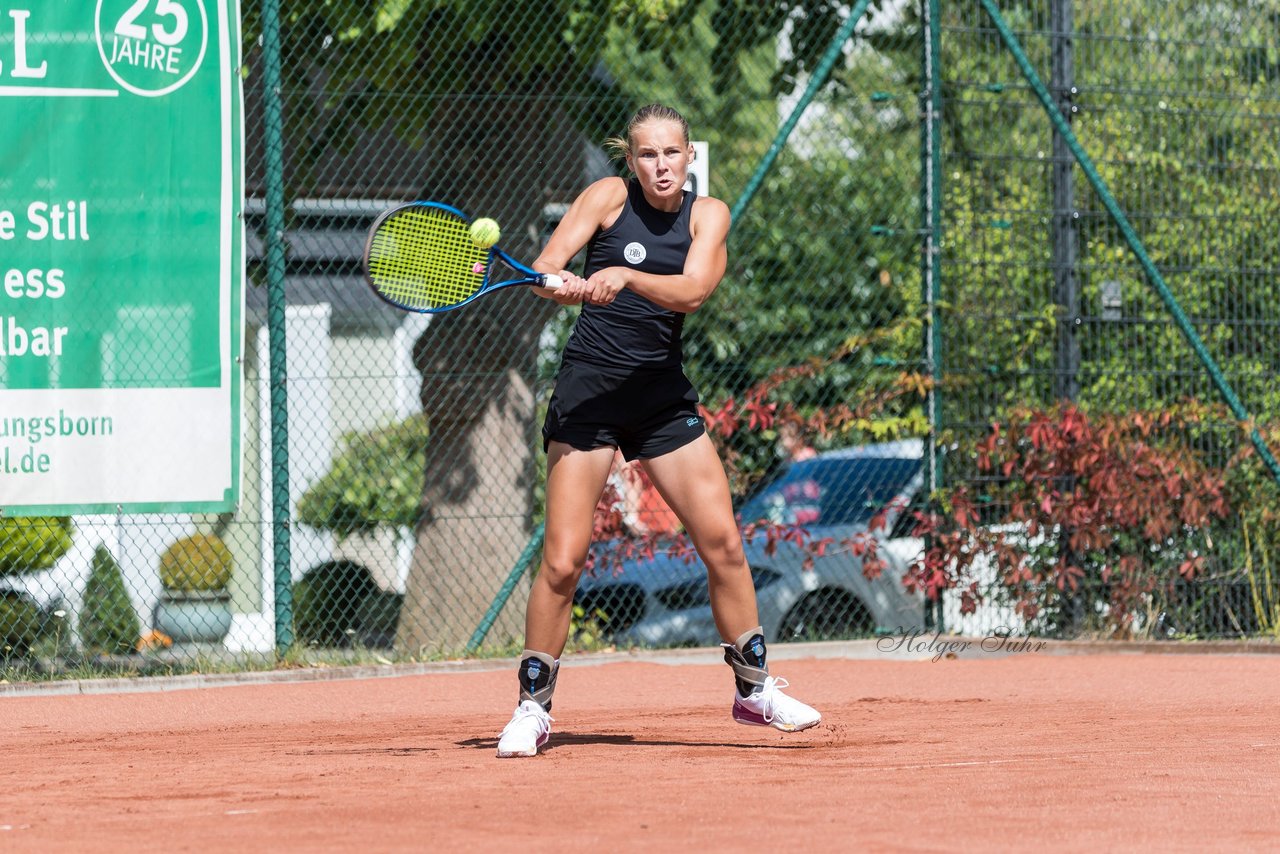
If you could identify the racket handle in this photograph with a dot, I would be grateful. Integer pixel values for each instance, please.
(552, 281)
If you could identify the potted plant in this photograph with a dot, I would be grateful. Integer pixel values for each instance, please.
(195, 606)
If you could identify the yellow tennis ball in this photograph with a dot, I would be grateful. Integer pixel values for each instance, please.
(485, 232)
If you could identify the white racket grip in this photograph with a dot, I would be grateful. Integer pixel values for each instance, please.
(552, 281)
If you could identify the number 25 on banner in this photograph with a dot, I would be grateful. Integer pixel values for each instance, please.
(152, 47)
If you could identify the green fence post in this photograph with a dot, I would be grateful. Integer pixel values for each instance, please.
(820, 75)
(508, 587)
(1135, 244)
(276, 301)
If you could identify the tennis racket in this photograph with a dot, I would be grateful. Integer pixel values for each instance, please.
(420, 257)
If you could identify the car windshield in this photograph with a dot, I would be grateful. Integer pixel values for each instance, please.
(831, 491)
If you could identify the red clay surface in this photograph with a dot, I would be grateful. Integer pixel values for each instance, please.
(1097, 752)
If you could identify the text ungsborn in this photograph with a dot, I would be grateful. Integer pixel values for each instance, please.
(918, 641)
(36, 427)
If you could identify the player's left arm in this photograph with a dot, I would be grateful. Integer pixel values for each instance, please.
(704, 266)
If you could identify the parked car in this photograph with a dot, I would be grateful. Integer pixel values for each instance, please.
(664, 601)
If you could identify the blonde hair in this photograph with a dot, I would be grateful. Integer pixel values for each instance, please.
(619, 147)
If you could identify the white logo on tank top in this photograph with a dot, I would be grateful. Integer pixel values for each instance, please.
(634, 253)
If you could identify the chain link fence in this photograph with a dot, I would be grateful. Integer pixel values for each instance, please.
(1175, 105)
(915, 255)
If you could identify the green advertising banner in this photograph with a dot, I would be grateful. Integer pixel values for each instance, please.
(121, 256)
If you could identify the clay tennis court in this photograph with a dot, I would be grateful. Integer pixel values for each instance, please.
(1117, 751)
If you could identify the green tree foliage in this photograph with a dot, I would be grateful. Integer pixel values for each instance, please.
(399, 64)
(375, 481)
(108, 623)
(1170, 106)
(20, 622)
(33, 543)
(1183, 152)
(507, 99)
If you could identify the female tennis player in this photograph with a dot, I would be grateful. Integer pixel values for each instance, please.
(654, 254)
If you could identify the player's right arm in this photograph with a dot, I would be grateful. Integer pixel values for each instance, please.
(594, 205)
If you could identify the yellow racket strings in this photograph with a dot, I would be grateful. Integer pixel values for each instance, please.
(423, 258)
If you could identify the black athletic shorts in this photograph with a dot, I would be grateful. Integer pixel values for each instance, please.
(643, 413)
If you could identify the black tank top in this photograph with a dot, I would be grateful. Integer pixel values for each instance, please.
(632, 331)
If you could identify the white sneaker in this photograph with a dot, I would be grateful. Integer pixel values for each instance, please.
(528, 730)
(770, 707)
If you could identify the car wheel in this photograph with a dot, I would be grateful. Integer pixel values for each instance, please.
(826, 615)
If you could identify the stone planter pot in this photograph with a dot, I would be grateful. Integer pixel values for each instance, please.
(194, 616)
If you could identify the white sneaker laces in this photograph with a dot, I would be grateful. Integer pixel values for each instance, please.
(530, 710)
(770, 693)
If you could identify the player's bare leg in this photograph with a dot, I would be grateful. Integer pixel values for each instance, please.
(692, 481)
(575, 481)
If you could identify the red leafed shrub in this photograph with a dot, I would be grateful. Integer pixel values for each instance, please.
(761, 408)
(1093, 515)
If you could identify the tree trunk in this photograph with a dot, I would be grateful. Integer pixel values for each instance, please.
(478, 366)
(477, 373)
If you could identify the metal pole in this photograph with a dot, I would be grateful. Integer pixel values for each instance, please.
(1064, 239)
(931, 216)
(276, 301)
(1065, 222)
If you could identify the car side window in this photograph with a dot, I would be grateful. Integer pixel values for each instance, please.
(855, 490)
(793, 499)
(802, 498)
(831, 491)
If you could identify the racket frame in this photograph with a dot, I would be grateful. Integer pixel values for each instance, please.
(528, 275)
